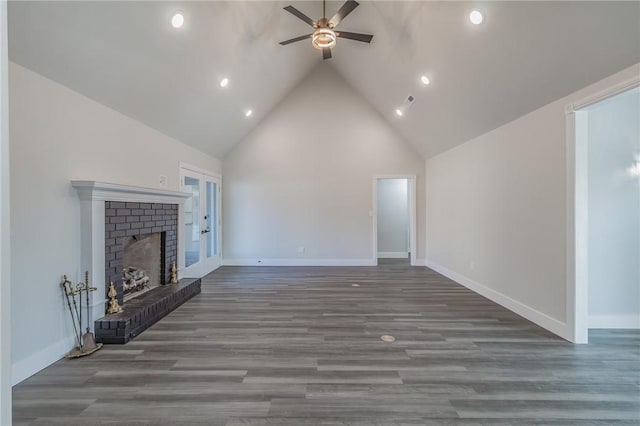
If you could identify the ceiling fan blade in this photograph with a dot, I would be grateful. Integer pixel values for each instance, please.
(326, 53)
(346, 9)
(293, 40)
(300, 15)
(355, 36)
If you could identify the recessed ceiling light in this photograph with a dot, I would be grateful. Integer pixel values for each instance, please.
(476, 17)
(248, 113)
(224, 82)
(398, 112)
(425, 80)
(177, 20)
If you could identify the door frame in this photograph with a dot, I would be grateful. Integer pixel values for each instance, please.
(411, 193)
(577, 225)
(200, 268)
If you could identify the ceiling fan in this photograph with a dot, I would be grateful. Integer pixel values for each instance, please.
(324, 37)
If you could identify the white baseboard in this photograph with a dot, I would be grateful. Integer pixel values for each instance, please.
(299, 262)
(543, 320)
(614, 321)
(393, 255)
(26, 368)
(418, 262)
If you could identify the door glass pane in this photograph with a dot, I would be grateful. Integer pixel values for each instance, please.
(192, 222)
(212, 219)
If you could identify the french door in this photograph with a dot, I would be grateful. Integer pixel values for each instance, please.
(201, 223)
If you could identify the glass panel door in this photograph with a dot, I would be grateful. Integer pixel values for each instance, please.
(192, 221)
(211, 219)
(202, 243)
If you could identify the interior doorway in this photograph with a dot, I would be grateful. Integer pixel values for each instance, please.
(607, 214)
(394, 216)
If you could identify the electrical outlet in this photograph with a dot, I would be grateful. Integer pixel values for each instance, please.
(163, 181)
(300, 249)
(472, 265)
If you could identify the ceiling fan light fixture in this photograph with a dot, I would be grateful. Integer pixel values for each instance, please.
(323, 38)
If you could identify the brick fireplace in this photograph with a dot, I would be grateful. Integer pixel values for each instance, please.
(109, 215)
(133, 219)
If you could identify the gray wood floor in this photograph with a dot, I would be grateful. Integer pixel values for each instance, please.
(300, 346)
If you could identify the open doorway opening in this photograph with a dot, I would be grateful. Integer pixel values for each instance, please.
(607, 214)
(394, 224)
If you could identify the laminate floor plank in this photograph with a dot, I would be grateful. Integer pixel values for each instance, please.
(301, 346)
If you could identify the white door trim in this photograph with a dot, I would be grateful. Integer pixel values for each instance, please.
(577, 207)
(412, 214)
(5, 228)
(199, 170)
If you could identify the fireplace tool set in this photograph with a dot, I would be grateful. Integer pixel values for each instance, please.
(74, 295)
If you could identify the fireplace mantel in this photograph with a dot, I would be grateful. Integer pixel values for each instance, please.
(91, 190)
(92, 196)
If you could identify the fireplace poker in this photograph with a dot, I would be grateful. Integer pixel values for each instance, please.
(66, 287)
(78, 291)
(88, 340)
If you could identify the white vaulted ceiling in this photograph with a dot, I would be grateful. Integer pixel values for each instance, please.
(127, 56)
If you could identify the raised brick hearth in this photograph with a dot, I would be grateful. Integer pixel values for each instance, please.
(133, 219)
(145, 310)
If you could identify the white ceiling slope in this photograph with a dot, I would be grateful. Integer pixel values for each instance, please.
(125, 55)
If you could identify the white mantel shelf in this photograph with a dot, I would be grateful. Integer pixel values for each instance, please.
(91, 190)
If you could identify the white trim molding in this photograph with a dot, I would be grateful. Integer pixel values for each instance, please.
(543, 320)
(92, 196)
(199, 170)
(610, 92)
(5, 228)
(27, 367)
(298, 262)
(630, 322)
(577, 230)
(393, 255)
(91, 190)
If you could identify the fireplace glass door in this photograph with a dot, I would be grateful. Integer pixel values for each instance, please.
(201, 223)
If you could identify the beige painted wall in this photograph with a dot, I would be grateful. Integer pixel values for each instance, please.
(58, 135)
(497, 211)
(304, 178)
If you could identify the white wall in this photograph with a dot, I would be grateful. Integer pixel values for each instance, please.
(393, 218)
(497, 212)
(614, 212)
(5, 258)
(58, 135)
(304, 178)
